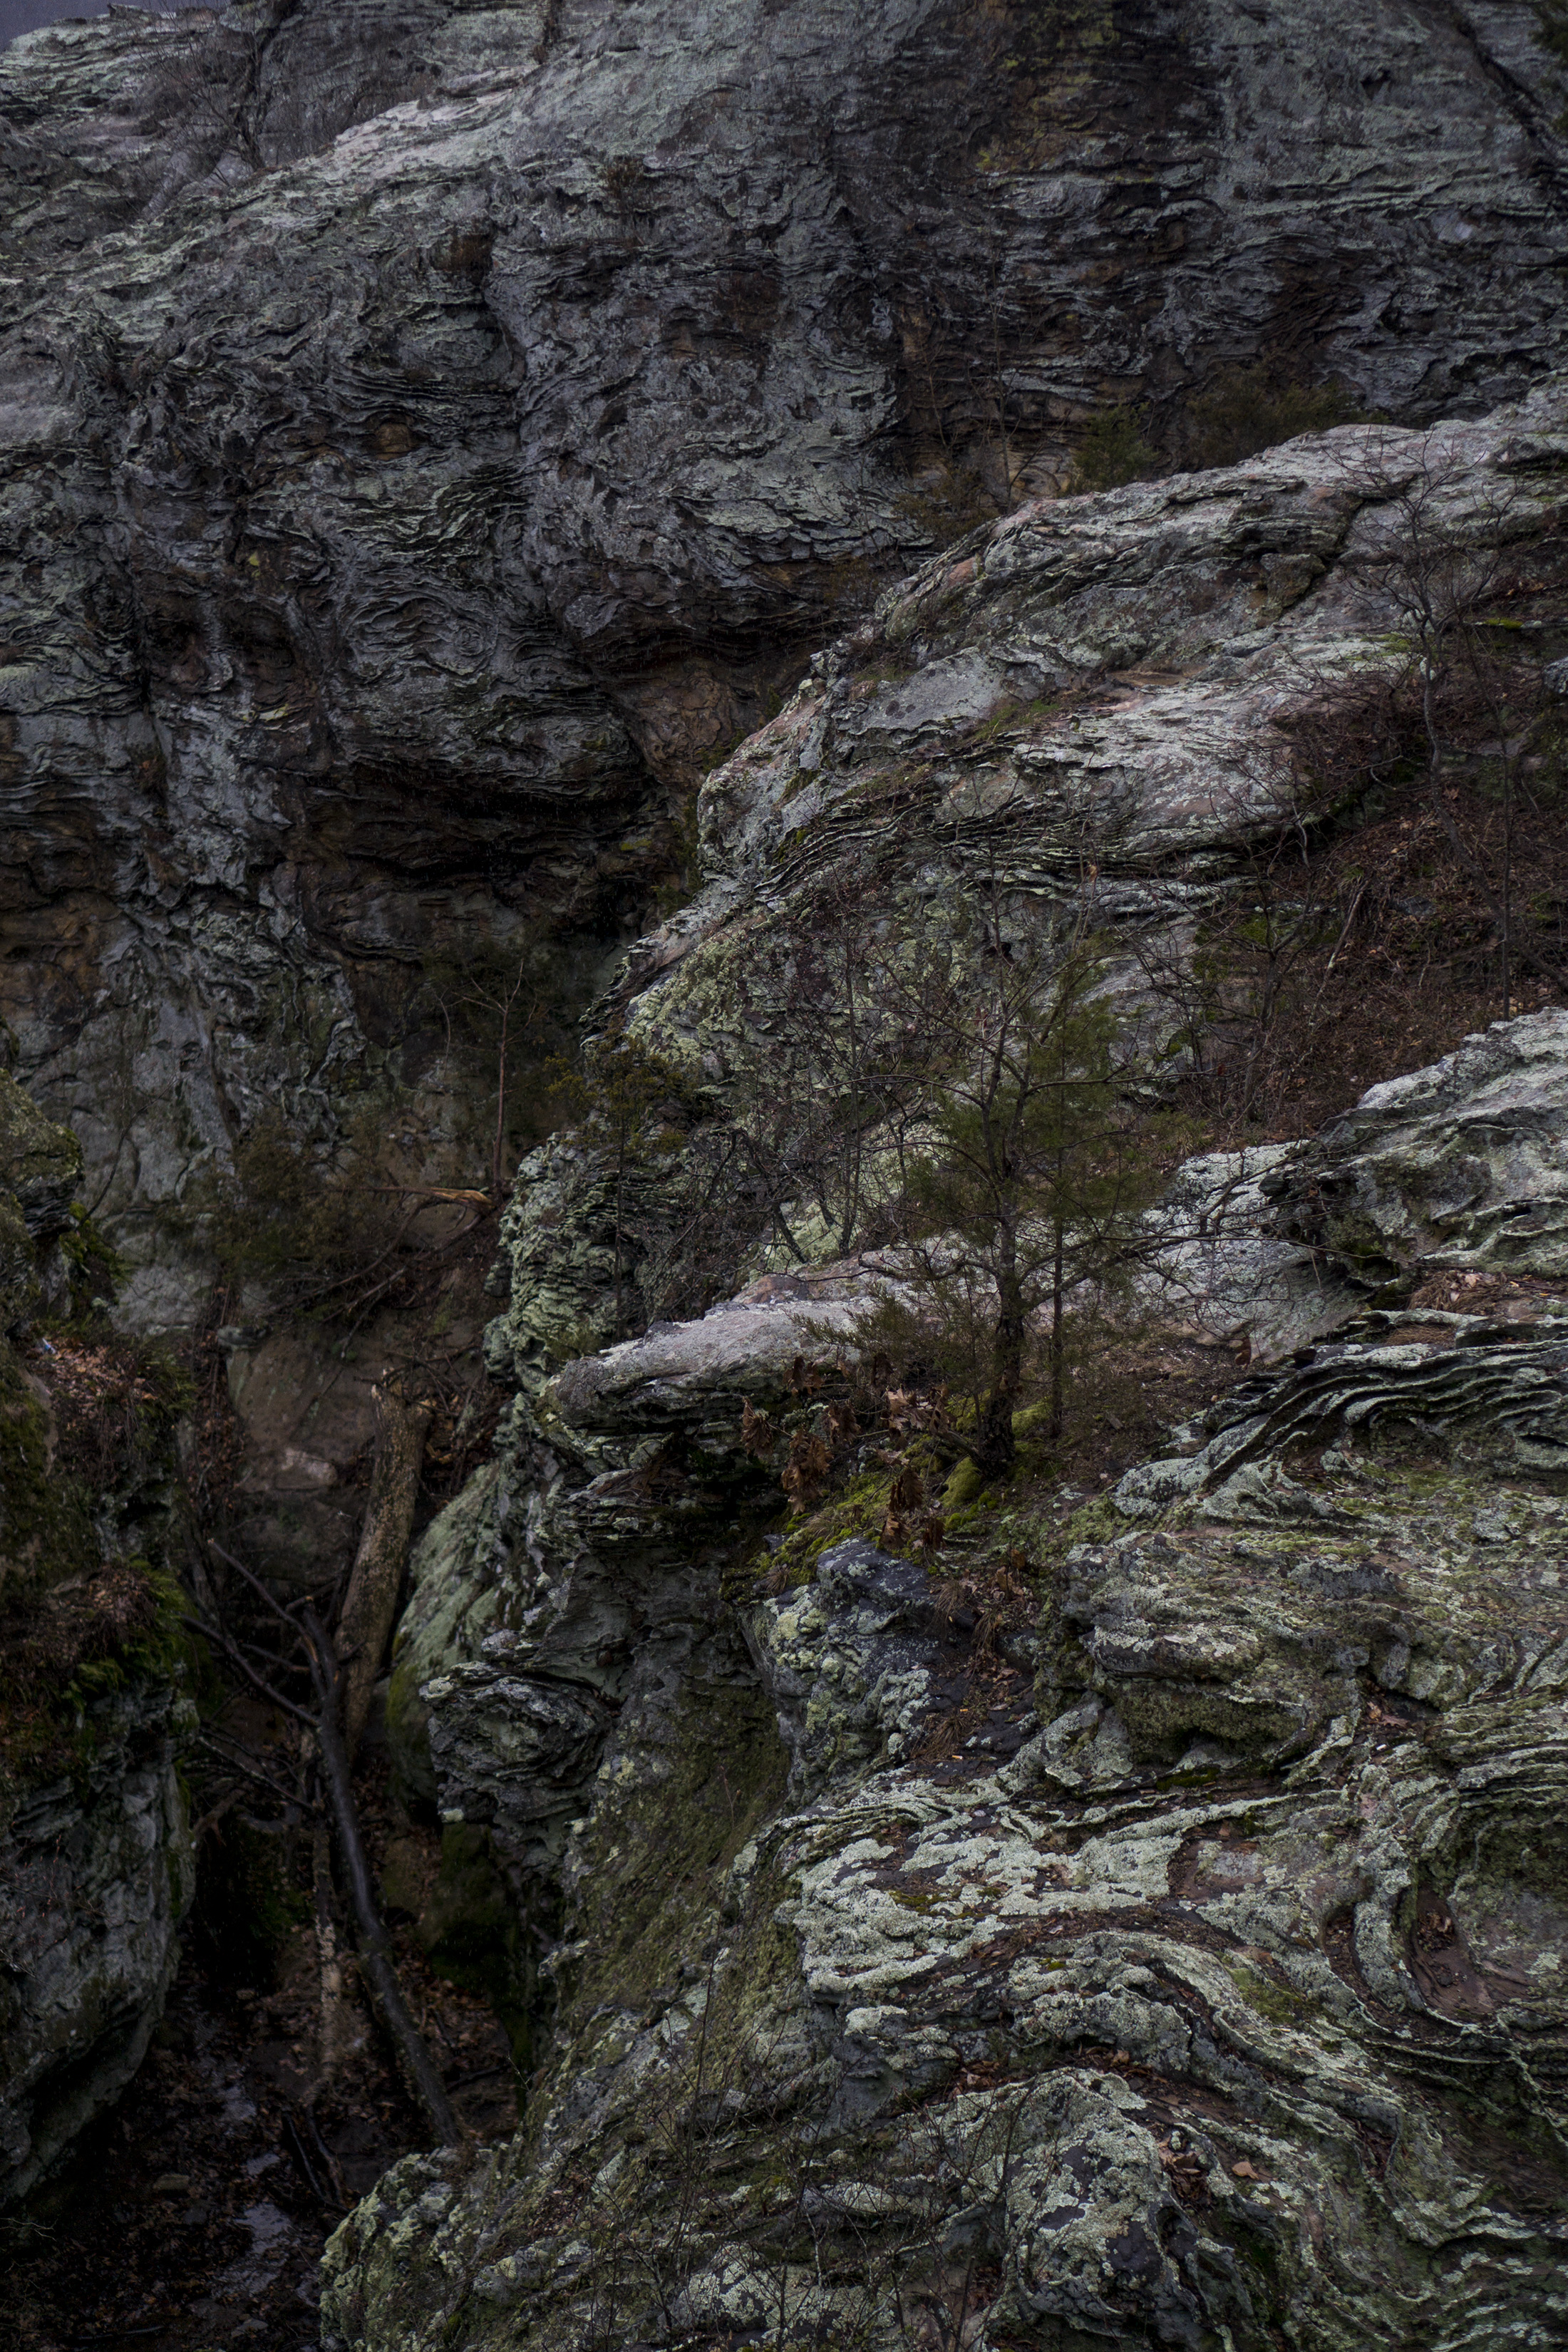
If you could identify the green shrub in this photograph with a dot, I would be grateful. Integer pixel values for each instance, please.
(1247, 409)
(1113, 450)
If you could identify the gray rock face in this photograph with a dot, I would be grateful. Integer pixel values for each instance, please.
(1458, 1166)
(853, 1663)
(1218, 1265)
(1438, 1373)
(95, 1878)
(1222, 2002)
(40, 1162)
(428, 428)
(1147, 658)
(40, 1168)
(569, 1604)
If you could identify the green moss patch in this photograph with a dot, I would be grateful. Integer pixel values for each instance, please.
(656, 1858)
(63, 1653)
(46, 1522)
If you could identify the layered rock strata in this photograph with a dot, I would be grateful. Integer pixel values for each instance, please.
(1210, 1995)
(568, 1635)
(430, 429)
(1092, 712)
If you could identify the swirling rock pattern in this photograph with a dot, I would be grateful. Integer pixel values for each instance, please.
(1211, 1996)
(1231, 2005)
(1089, 705)
(429, 428)
(1460, 1165)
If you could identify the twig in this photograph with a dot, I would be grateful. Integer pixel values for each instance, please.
(334, 2171)
(297, 2142)
(257, 1586)
(221, 1642)
(253, 1771)
(210, 1821)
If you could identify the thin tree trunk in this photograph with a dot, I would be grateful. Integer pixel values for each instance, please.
(337, 2037)
(1059, 1333)
(998, 1446)
(371, 1603)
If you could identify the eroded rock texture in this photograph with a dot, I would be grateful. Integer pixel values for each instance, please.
(1458, 1166)
(429, 428)
(1216, 1998)
(1089, 713)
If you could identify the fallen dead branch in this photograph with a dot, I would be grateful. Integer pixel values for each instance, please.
(378, 1969)
(375, 1956)
(370, 1604)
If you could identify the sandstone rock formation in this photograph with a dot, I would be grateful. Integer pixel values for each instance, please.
(1211, 1994)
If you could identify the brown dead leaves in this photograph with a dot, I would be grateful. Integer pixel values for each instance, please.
(759, 1435)
(908, 1522)
(806, 1471)
(993, 1599)
(910, 1412)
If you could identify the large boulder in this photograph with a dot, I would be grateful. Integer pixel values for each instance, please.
(1459, 1166)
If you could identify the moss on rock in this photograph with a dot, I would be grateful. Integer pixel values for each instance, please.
(41, 1161)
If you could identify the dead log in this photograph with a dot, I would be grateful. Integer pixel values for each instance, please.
(377, 1966)
(370, 1604)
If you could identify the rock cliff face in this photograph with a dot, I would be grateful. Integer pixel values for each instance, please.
(1211, 1994)
(95, 1857)
(433, 431)
(429, 430)
(1093, 710)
